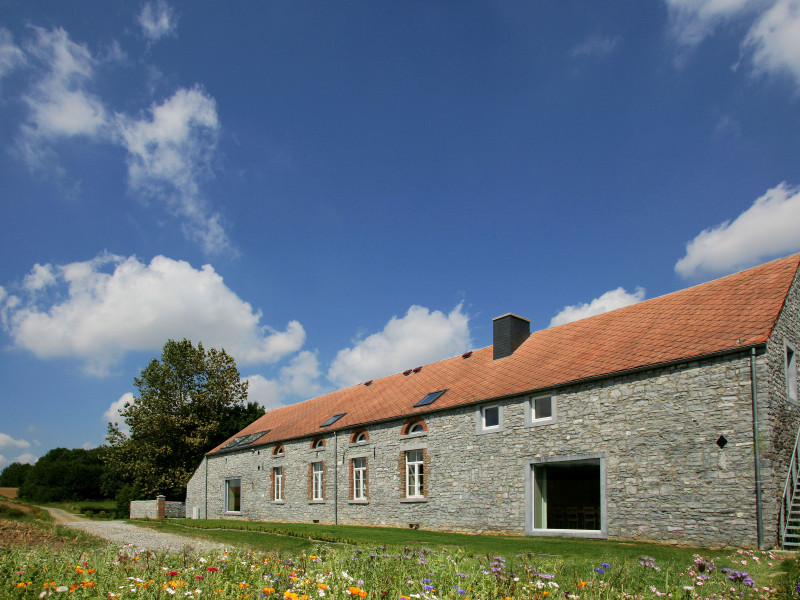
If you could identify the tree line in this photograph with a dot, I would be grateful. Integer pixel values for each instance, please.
(189, 401)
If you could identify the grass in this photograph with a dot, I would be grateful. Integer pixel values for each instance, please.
(597, 550)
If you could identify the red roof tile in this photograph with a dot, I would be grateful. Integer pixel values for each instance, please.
(728, 313)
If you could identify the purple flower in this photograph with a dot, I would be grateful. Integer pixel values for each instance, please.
(600, 570)
(797, 587)
(605, 565)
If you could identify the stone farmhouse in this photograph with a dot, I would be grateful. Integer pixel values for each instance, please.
(671, 420)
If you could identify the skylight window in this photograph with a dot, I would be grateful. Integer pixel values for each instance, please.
(430, 398)
(243, 440)
(333, 419)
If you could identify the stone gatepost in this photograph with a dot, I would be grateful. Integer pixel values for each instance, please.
(161, 507)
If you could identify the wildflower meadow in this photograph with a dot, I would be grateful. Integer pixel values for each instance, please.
(113, 572)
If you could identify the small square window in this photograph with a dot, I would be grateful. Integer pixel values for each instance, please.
(542, 408)
(491, 416)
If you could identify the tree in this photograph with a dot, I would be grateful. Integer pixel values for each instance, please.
(187, 403)
(64, 474)
(14, 474)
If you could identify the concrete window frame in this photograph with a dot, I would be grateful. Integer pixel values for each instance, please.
(790, 371)
(489, 418)
(233, 498)
(531, 404)
(598, 459)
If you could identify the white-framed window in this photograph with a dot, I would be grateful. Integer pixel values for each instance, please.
(488, 418)
(277, 484)
(540, 410)
(359, 479)
(317, 481)
(318, 444)
(279, 450)
(233, 494)
(415, 474)
(416, 428)
(791, 373)
(361, 438)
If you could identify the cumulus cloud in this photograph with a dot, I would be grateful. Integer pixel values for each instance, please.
(6, 441)
(11, 55)
(299, 380)
(768, 228)
(112, 414)
(772, 42)
(24, 458)
(420, 337)
(157, 20)
(59, 105)
(609, 301)
(102, 308)
(169, 154)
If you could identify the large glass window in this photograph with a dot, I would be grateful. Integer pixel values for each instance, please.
(359, 479)
(233, 495)
(317, 481)
(415, 473)
(277, 484)
(567, 495)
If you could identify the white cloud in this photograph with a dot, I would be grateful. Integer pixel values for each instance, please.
(59, 105)
(595, 46)
(768, 228)
(418, 338)
(772, 42)
(89, 446)
(611, 300)
(11, 56)
(6, 441)
(170, 153)
(299, 380)
(39, 278)
(112, 414)
(157, 20)
(25, 458)
(101, 315)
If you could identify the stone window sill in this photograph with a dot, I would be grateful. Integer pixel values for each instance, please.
(412, 500)
(358, 501)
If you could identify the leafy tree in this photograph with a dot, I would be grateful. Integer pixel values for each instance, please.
(187, 403)
(14, 474)
(64, 474)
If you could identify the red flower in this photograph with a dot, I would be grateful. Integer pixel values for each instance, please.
(172, 573)
(213, 568)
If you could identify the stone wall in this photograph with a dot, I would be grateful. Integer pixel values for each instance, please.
(148, 509)
(655, 433)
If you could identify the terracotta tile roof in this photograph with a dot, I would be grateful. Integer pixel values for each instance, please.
(732, 312)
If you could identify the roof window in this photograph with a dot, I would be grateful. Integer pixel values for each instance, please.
(333, 419)
(430, 398)
(243, 440)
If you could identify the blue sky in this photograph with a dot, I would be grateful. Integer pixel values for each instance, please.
(335, 191)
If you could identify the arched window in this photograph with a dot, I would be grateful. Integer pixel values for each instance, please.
(278, 450)
(318, 444)
(359, 437)
(414, 426)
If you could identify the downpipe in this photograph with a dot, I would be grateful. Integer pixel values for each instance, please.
(756, 453)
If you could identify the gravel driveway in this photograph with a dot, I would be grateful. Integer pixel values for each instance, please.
(125, 533)
(142, 537)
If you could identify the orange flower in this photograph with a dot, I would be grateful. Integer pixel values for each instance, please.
(322, 586)
(244, 585)
(581, 584)
(268, 590)
(353, 591)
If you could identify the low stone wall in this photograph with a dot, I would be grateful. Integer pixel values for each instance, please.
(149, 509)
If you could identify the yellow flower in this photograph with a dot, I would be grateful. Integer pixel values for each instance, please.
(322, 586)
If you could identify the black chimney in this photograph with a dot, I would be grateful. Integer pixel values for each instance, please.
(509, 332)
